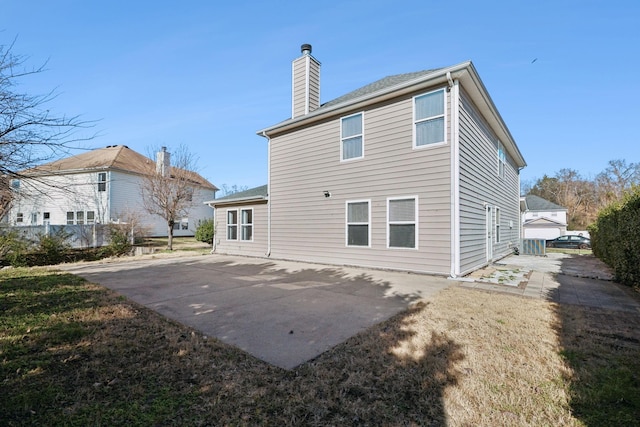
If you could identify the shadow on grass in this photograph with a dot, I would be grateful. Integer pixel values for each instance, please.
(600, 345)
(105, 360)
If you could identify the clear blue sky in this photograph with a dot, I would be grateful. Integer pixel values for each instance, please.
(209, 74)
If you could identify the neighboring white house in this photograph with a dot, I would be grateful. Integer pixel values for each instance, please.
(542, 219)
(414, 172)
(98, 187)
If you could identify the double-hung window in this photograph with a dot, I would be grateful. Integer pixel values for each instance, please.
(498, 219)
(352, 137)
(71, 217)
(232, 225)
(91, 217)
(402, 222)
(429, 119)
(502, 159)
(246, 224)
(102, 181)
(358, 215)
(19, 217)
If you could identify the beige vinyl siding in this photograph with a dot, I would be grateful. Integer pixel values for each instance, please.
(257, 247)
(481, 185)
(308, 226)
(306, 87)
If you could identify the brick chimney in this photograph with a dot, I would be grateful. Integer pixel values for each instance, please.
(163, 161)
(305, 83)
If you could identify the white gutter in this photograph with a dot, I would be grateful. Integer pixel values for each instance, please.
(268, 253)
(454, 94)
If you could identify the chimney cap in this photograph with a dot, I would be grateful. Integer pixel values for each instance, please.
(306, 48)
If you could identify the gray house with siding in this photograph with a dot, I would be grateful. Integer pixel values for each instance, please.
(414, 172)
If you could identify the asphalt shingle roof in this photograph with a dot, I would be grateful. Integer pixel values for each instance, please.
(379, 85)
(536, 203)
(256, 192)
(113, 157)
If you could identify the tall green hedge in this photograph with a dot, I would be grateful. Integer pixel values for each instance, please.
(615, 238)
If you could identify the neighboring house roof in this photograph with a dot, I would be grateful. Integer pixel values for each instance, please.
(112, 157)
(543, 222)
(400, 84)
(536, 203)
(251, 195)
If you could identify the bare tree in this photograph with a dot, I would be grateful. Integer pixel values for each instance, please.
(168, 191)
(29, 133)
(615, 180)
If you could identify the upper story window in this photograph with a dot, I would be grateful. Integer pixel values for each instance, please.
(402, 222)
(232, 225)
(102, 181)
(429, 119)
(358, 223)
(246, 225)
(351, 137)
(502, 159)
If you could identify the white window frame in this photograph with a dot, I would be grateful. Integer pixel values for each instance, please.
(502, 160)
(415, 222)
(72, 220)
(90, 219)
(46, 218)
(229, 226)
(19, 217)
(343, 139)
(497, 224)
(102, 182)
(424, 119)
(347, 223)
(34, 218)
(243, 225)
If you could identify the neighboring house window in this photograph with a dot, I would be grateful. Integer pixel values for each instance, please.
(19, 217)
(429, 121)
(358, 223)
(351, 139)
(502, 159)
(232, 225)
(91, 217)
(70, 218)
(46, 217)
(402, 214)
(102, 181)
(182, 224)
(498, 225)
(80, 217)
(246, 231)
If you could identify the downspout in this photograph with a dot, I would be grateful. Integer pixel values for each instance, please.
(268, 253)
(455, 176)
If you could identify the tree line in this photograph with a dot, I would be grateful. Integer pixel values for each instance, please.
(584, 197)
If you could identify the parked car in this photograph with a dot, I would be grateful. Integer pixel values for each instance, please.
(571, 242)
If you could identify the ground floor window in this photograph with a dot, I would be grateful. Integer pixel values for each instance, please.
(402, 225)
(232, 225)
(19, 217)
(358, 223)
(76, 218)
(498, 219)
(246, 232)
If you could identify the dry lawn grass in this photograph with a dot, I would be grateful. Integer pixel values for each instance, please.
(74, 353)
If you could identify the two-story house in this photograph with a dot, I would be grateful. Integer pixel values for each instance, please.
(98, 187)
(414, 172)
(542, 219)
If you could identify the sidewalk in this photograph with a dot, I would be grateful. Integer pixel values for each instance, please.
(565, 279)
